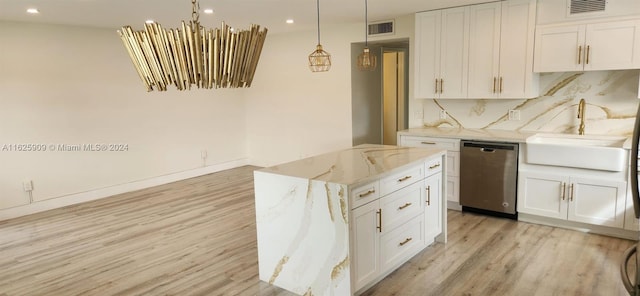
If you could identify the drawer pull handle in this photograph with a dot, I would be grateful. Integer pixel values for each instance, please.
(428, 195)
(379, 226)
(571, 189)
(372, 191)
(428, 143)
(406, 241)
(580, 55)
(405, 178)
(434, 166)
(405, 206)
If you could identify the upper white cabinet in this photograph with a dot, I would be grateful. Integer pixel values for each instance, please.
(441, 48)
(501, 40)
(611, 45)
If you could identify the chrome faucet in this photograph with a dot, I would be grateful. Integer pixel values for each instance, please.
(581, 107)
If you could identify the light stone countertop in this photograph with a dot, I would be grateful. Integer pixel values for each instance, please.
(470, 134)
(479, 134)
(354, 165)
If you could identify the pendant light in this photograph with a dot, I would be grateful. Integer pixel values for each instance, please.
(319, 60)
(192, 55)
(366, 60)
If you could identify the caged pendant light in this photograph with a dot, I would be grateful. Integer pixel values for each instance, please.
(366, 60)
(319, 60)
(216, 58)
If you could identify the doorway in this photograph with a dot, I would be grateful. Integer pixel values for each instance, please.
(379, 101)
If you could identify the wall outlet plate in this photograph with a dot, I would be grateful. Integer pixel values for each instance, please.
(514, 114)
(443, 114)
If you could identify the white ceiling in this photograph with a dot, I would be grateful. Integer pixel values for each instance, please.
(238, 13)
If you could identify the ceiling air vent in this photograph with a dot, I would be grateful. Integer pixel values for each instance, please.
(381, 28)
(583, 6)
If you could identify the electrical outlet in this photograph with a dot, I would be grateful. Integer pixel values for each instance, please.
(417, 114)
(514, 114)
(27, 185)
(203, 153)
(443, 114)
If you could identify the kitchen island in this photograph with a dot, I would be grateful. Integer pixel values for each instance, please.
(337, 223)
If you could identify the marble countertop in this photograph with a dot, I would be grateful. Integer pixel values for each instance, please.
(479, 134)
(354, 165)
(470, 134)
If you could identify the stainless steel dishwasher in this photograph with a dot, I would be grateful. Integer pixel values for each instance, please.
(488, 177)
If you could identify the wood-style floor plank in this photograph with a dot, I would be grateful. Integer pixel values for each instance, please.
(198, 237)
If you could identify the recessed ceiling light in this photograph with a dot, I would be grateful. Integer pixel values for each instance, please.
(208, 11)
(289, 21)
(33, 10)
(149, 21)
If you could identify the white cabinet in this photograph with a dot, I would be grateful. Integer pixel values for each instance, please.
(501, 39)
(574, 198)
(366, 243)
(402, 216)
(441, 53)
(432, 207)
(588, 47)
(453, 160)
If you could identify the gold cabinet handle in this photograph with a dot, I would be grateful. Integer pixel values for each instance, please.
(379, 226)
(405, 206)
(405, 178)
(406, 241)
(372, 191)
(428, 143)
(436, 85)
(571, 189)
(588, 49)
(441, 85)
(494, 85)
(579, 54)
(500, 84)
(434, 166)
(428, 195)
(564, 186)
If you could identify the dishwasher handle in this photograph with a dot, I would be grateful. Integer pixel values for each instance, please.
(488, 150)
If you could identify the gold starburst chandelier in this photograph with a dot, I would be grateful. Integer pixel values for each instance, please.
(193, 55)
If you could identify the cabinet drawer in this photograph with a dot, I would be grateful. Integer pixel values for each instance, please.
(427, 142)
(364, 194)
(401, 243)
(402, 205)
(402, 179)
(433, 166)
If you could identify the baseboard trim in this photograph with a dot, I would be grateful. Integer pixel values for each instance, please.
(76, 198)
(454, 205)
(582, 227)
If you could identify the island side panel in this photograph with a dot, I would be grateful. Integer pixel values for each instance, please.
(303, 238)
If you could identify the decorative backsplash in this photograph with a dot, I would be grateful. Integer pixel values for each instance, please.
(611, 97)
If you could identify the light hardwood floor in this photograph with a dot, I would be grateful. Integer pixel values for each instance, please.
(198, 237)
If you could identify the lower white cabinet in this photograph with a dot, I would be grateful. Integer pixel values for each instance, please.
(391, 228)
(453, 159)
(432, 207)
(574, 198)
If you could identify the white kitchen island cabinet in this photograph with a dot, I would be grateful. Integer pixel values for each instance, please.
(337, 223)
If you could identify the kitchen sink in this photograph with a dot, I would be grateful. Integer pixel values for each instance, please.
(578, 151)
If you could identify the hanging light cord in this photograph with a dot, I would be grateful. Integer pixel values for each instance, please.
(366, 24)
(195, 7)
(318, 11)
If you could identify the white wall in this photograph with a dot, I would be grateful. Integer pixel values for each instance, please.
(73, 85)
(293, 113)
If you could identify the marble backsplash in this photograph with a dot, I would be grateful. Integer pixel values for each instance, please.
(611, 98)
